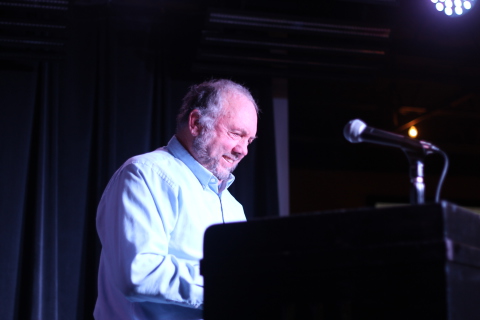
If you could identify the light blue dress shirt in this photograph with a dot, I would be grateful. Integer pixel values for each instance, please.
(151, 221)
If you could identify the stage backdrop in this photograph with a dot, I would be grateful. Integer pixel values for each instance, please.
(66, 125)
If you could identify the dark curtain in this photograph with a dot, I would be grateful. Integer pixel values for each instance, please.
(65, 126)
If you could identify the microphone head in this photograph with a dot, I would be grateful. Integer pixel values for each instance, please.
(353, 130)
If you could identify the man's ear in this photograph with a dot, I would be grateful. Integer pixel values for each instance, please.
(193, 123)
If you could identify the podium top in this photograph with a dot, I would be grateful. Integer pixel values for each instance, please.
(348, 237)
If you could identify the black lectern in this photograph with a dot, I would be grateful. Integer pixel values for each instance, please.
(412, 262)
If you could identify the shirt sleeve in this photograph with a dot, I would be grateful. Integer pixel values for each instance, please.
(135, 218)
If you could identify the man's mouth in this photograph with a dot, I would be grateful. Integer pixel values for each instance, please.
(228, 159)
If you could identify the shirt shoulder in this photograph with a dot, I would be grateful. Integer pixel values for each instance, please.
(159, 162)
(158, 159)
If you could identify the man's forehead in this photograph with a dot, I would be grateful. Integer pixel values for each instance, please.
(238, 102)
(239, 120)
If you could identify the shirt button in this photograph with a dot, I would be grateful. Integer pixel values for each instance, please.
(213, 180)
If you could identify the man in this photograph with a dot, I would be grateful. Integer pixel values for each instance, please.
(155, 209)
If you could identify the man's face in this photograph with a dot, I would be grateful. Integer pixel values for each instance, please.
(221, 149)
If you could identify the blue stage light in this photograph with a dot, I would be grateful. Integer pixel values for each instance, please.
(454, 8)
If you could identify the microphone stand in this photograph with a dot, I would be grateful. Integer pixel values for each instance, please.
(417, 183)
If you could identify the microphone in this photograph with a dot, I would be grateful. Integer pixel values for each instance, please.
(357, 131)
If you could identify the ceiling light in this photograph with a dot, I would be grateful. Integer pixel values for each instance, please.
(453, 8)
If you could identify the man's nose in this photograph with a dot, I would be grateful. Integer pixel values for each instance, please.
(241, 148)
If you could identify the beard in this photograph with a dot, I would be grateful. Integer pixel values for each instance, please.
(202, 148)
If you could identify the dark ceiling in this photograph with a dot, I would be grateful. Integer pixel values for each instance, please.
(392, 63)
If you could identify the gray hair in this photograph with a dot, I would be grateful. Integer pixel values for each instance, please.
(208, 98)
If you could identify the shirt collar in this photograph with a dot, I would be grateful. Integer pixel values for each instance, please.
(203, 175)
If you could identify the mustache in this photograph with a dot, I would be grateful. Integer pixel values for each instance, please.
(234, 157)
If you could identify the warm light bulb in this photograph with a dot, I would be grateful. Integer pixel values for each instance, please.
(413, 132)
